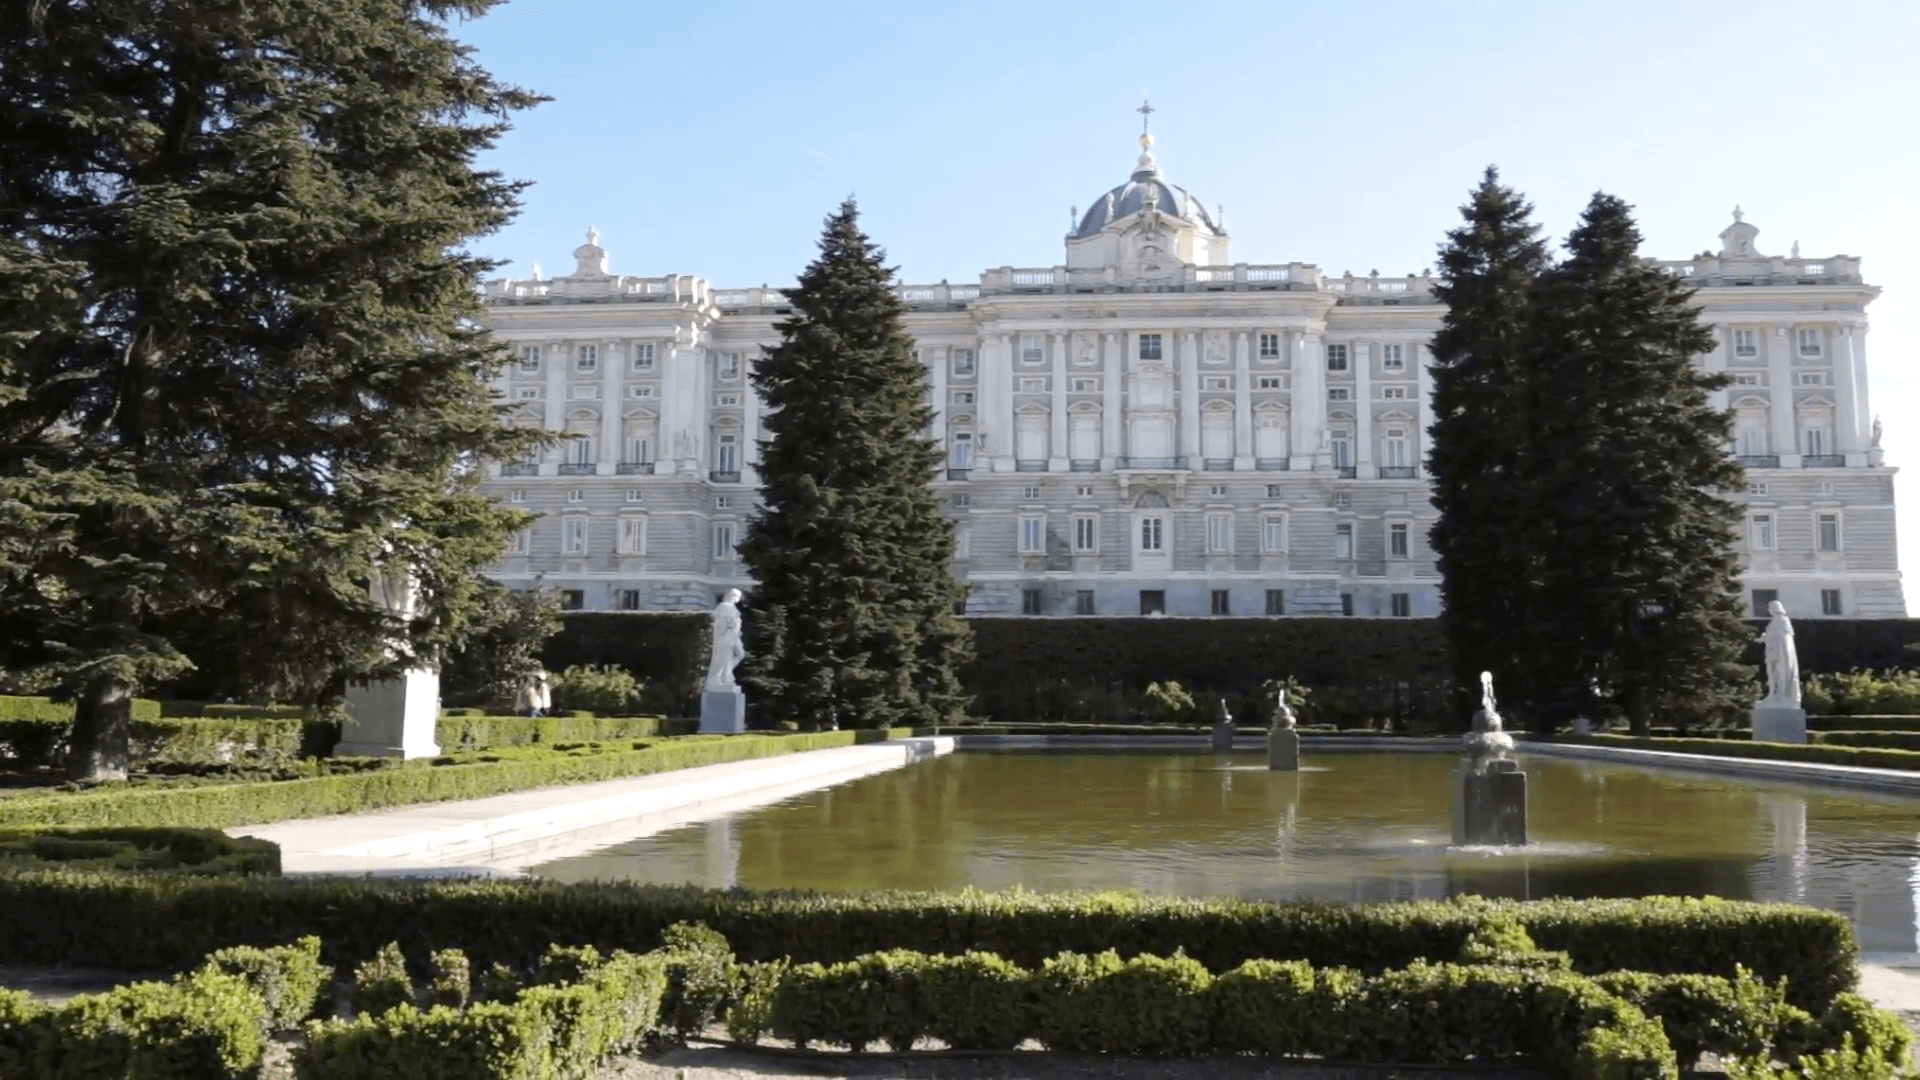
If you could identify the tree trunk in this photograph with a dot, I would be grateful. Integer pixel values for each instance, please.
(1639, 716)
(102, 732)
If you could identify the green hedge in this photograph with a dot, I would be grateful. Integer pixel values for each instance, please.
(1819, 754)
(1882, 740)
(426, 780)
(1863, 723)
(196, 851)
(460, 729)
(157, 922)
(205, 1026)
(46, 709)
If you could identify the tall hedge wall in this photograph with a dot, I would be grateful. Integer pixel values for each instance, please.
(1097, 669)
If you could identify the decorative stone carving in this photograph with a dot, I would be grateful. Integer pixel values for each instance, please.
(1283, 741)
(1086, 350)
(1222, 727)
(590, 259)
(1217, 352)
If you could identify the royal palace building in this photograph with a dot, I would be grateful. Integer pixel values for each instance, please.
(1150, 427)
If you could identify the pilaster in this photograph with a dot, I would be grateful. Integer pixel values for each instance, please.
(1423, 411)
(1847, 425)
(1786, 441)
(1057, 414)
(1309, 398)
(996, 404)
(1110, 391)
(615, 358)
(1189, 422)
(1363, 411)
(559, 362)
(1242, 403)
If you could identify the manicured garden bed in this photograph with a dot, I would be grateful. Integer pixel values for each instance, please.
(318, 788)
(137, 848)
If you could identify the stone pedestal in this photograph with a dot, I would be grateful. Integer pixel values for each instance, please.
(1283, 749)
(1779, 723)
(1491, 807)
(392, 718)
(723, 712)
(1223, 737)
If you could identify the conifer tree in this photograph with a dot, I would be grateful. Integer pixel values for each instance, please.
(852, 622)
(238, 341)
(1480, 450)
(1640, 584)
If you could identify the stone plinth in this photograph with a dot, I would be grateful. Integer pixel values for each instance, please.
(1779, 723)
(392, 718)
(723, 712)
(1283, 749)
(1223, 737)
(1490, 807)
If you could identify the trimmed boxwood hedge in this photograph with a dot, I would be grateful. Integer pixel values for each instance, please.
(1883, 740)
(1863, 723)
(163, 922)
(223, 805)
(1864, 757)
(197, 851)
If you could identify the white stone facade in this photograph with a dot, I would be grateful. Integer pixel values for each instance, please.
(1151, 426)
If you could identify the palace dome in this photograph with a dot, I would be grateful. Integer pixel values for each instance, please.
(1131, 197)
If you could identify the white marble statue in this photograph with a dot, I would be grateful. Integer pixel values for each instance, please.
(1283, 718)
(1874, 442)
(1783, 665)
(727, 649)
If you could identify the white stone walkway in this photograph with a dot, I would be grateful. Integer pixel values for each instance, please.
(507, 833)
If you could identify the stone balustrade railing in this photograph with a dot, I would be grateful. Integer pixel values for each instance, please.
(1708, 270)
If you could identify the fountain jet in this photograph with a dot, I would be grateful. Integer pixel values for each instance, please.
(1490, 791)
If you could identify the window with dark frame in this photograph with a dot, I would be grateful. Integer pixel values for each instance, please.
(1222, 602)
(1083, 602)
(1029, 601)
(1276, 601)
(1830, 602)
(1153, 602)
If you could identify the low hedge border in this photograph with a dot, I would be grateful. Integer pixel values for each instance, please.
(1882, 740)
(1863, 757)
(18, 707)
(166, 922)
(243, 803)
(1863, 723)
(193, 851)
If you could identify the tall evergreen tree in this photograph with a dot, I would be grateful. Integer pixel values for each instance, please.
(238, 340)
(852, 622)
(1640, 589)
(1481, 445)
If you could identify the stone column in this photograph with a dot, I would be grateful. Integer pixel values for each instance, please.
(1858, 337)
(1111, 346)
(996, 404)
(1309, 398)
(677, 408)
(1363, 411)
(938, 360)
(1849, 429)
(1189, 425)
(1423, 411)
(615, 358)
(559, 362)
(749, 430)
(1242, 403)
(1786, 441)
(1715, 362)
(1057, 449)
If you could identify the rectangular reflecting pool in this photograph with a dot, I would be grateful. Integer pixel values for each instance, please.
(1350, 826)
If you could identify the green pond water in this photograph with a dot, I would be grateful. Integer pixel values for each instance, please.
(1365, 826)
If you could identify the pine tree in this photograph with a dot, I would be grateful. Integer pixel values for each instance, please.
(852, 622)
(1480, 450)
(1640, 580)
(238, 341)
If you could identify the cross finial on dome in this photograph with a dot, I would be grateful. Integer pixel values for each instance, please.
(1737, 215)
(1146, 111)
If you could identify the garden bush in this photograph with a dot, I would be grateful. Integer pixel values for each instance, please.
(1885, 740)
(151, 922)
(131, 848)
(203, 1026)
(358, 785)
(290, 979)
(1859, 691)
(1863, 723)
(700, 976)
(382, 982)
(451, 981)
(602, 689)
(1151, 1006)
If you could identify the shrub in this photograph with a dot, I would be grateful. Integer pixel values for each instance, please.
(700, 975)
(1281, 1008)
(130, 848)
(289, 979)
(382, 983)
(601, 689)
(1730, 1018)
(500, 982)
(450, 981)
(20, 1023)
(751, 1014)
(204, 1025)
(1858, 691)
(1149, 1005)
(1170, 701)
(977, 1001)
(853, 1003)
(562, 964)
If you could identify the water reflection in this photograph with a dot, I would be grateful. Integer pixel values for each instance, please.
(1356, 826)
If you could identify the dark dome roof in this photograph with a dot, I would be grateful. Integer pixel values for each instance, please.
(1128, 198)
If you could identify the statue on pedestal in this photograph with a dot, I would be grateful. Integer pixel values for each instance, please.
(1488, 742)
(1783, 664)
(727, 649)
(1283, 742)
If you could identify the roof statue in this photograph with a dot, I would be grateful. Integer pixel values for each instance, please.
(590, 259)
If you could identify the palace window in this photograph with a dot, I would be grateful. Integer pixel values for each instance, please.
(1153, 601)
(1273, 534)
(1269, 346)
(726, 401)
(1402, 604)
(1830, 602)
(636, 495)
(517, 495)
(1343, 541)
(960, 500)
(1032, 536)
(1083, 602)
(1222, 602)
(586, 358)
(1030, 493)
(529, 359)
(1276, 601)
(1397, 541)
(723, 540)
(1219, 533)
(1346, 603)
(1393, 357)
(1150, 534)
(963, 361)
(963, 397)
(1809, 342)
(629, 599)
(573, 536)
(1216, 489)
(1393, 393)
(726, 454)
(1272, 382)
(1762, 598)
(1336, 358)
(730, 365)
(527, 393)
(1342, 445)
(1033, 349)
(1275, 491)
(1750, 379)
(643, 356)
(1218, 382)
(1394, 448)
(1339, 393)
(575, 495)
(633, 536)
(1756, 489)
(962, 451)
(1030, 601)
(642, 450)
(1149, 346)
(1744, 343)
(640, 392)
(1085, 491)
(520, 543)
(1086, 534)
(1827, 531)
(1760, 532)
(1085, 386)
(572, 599)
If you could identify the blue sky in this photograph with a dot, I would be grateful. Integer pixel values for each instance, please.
(712, 138)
